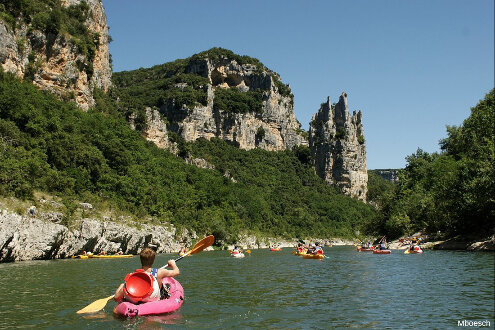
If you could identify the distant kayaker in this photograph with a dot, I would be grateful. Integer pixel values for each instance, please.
(183, 250)
(147, 257)
(318, 249)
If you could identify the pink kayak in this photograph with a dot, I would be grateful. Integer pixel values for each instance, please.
(162, 306)
(381, 251)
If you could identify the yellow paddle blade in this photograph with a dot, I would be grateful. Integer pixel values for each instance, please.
(95, 306)
(248, 251)
(203, 244)
(230, 251)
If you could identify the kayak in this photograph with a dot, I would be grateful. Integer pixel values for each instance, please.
(313, 256)
(237, 255)
(407, 251)
(382, 251)
(79, 257)
(361, 249)
(111, 256)
(162, 306)
(275, 249)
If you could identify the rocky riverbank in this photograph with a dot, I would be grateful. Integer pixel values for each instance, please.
(32, 237)
(485, 244)
(252, 242)
(42, 235)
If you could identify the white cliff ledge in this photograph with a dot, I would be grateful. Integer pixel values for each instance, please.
(30, 237)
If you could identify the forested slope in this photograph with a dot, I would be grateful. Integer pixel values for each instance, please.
(50, 145)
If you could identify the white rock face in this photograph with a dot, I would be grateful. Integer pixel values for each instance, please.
(30, 238)
(52, 61)
(277, 120)
(337, 144)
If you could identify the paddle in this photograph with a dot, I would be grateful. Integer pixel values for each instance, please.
(197, 248)
(101, 303)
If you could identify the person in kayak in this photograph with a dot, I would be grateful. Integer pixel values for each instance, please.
(147, 257)
(183, 250)
(318, 249)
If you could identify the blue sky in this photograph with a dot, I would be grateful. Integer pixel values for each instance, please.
(412, 67)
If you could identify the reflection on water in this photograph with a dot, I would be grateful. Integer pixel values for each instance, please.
(263, 290)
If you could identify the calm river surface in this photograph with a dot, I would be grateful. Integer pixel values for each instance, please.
(264, 290)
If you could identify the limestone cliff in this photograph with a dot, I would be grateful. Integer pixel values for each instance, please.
(337, 144)
(217, 95)
(63, 49)
(391, 175)
(42, 236)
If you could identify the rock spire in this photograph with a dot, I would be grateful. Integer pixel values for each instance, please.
(338, 147)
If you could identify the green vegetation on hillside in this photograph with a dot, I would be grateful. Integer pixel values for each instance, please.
(217, 53)
(232, 100)
(49, 145)
(449, 193)
(167, 83)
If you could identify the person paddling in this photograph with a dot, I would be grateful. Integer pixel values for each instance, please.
(318, 249)
(237, 250)
(155, 276)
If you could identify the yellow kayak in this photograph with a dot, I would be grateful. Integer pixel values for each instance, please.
(295, 252)
(313, 256)
(79, 257)
(111, 256)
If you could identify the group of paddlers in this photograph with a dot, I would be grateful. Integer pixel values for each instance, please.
(310, 249)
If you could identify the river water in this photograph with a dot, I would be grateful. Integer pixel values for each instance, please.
(266, 289)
